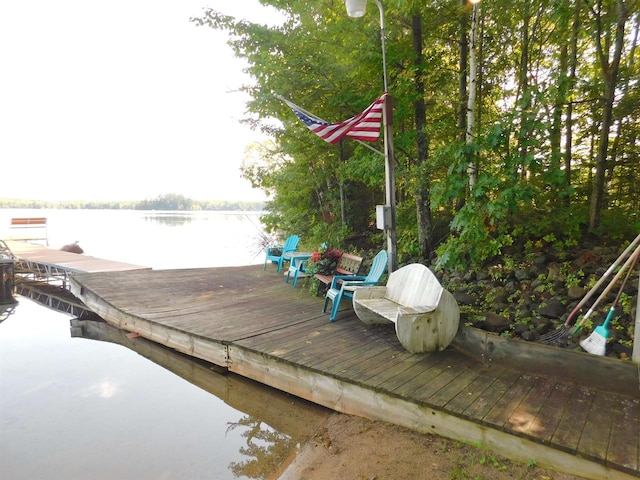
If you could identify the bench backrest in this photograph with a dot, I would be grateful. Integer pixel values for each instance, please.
(28, 222)
(32, 228)
(414, 286)
(348, 264)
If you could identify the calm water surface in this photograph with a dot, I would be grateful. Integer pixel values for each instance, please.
(154, 239)
(88, 402)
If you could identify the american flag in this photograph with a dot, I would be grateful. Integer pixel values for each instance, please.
(364, 126)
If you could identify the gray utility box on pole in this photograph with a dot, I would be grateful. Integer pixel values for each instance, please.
(383, 217)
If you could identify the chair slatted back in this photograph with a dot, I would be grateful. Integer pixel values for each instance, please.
(378, 267)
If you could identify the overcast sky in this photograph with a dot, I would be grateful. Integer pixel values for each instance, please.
(121, 100)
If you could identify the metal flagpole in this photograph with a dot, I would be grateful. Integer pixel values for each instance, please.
(357, 8)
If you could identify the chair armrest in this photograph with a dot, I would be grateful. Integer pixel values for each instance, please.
(269, 249)
(358, 283)
(303, 264)
(299, 260)
(337, 278)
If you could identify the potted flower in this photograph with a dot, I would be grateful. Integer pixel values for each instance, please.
(323, 261)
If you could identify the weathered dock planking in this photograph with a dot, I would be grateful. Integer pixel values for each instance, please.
(52, 262)
(254, 324)
(43, 274)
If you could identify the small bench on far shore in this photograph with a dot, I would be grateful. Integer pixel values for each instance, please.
(426, 316)
(30, 228)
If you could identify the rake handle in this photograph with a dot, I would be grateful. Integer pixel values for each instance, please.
(628, 264)
(613, 266)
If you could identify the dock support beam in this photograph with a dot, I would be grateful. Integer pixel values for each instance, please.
(636, 340)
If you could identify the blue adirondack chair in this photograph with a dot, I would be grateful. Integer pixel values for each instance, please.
(279, 255)
(297, 266)
(337, 291)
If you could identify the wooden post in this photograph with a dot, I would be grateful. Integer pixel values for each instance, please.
(636, 342)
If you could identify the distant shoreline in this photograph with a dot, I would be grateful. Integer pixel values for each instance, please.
(163, 203)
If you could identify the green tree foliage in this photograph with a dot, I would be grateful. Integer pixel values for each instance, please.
(540, 143)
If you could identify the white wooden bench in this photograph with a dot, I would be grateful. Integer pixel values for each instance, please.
(30, 228)
(426, 315)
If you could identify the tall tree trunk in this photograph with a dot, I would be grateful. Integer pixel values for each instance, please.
(471, 102)
(633, 137)
(463, 45)
(423, 184)
(343, 199)
(479, 72)
(555, 137)
(523, 85)
(610, 77)
(618, 150)
(568, 134)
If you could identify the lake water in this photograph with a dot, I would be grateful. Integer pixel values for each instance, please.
(154, 239)
(88, 402)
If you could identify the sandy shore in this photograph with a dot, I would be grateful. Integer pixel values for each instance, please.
(359, 449)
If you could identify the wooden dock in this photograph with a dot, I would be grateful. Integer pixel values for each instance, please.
(52, 263)
(254, 324)
(42, 274)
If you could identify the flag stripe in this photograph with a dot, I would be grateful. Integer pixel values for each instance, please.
(364, 126)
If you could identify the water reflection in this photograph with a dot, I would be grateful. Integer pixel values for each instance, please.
(170, 219)
(6, 310)
(72, 408)
(266, 449)
(274, 423)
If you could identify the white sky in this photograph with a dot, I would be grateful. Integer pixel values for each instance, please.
(121, 100)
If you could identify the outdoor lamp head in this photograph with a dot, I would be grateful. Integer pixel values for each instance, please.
(356, 8)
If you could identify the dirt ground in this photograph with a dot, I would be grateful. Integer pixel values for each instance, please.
(354, 448)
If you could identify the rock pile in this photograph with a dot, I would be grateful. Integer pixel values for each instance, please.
(533, 296)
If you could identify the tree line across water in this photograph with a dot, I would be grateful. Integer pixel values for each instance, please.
(171, 201)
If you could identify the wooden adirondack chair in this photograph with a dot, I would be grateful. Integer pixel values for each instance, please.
(280, 254)
(343, 285)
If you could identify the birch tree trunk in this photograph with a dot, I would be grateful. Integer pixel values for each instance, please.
(471, 100)
(463, 72)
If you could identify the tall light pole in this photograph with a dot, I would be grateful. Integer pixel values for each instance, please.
(386, 215)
